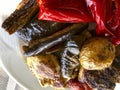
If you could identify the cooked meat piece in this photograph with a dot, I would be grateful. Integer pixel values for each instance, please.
(97, 53)
(38, 29)
(25, 11)
(70, 56)
(56, 38)
(47, 69)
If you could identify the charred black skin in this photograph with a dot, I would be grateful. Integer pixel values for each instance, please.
(69, 60)
(56, 38)
(39, 29)
(104, 79)
(70, 64)
(25, 11)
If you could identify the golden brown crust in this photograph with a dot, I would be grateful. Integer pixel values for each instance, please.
(97, 53)
(46, 68)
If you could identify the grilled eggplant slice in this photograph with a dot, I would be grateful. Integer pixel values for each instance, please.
(69, 60)
(38, 29)
(56, 38)
(25, 11)
(70, 57)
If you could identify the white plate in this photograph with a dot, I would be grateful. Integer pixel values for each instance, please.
(14, 64)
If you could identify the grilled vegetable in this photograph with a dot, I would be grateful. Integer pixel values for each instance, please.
(67, 11)
(70, 57)
(47, 69)
(97, 53)
(104, 79)
(69, 60)
(25, 11)
(56, 38)
(98, 79)
(74, 84)
(38, 29)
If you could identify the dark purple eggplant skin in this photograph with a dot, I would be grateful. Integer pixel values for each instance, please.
(25, 11)
(54, 39)
(39, 29)
(70, 60)
(70, 64)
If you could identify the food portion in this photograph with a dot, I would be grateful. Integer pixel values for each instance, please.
(25, 11)
(56, 38)
(69, 60)
(67, 11)
(64, 54)
(107, 18)
(104, 79)
(70, 64)
(38, 29)
(47, 69)
(97, 53)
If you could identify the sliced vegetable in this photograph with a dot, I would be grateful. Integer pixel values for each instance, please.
(24, 12)
(64, 11)
(47, 70)
(106, 13)
(70, 56)
(97, 53)
(39, 29)
(56, 38)
(69, 60)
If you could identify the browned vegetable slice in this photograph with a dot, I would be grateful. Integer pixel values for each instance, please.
(47, 69)
(25, 11)
(50, 41)
(70, 56)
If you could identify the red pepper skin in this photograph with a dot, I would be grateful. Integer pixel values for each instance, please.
(107, 18)
(101, 10)
(115, 23)
(64, 11)
(74, 84)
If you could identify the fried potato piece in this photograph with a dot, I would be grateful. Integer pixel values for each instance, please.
(46, 68)
(97, 53)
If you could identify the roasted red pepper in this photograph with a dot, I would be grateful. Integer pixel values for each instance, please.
(114, 23)
(101, 10)
(107, 18)
(74, 84)
(64, 11)
(106, 14)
